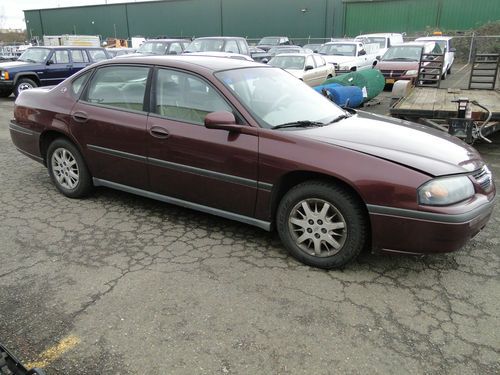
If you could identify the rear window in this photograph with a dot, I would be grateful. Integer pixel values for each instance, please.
(97, 55)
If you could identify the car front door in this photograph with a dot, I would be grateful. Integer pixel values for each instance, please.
(109, 122)
(310, 76)
(58, 67)
(214, 168)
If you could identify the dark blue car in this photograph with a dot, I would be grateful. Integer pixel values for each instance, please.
(45, 66)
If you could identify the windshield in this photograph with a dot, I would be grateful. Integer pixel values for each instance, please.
(155, 48)
(35, 55)
(205, 45)
(275, 97)
(278, 50)
(287, 62)
(403, 53)
(269, 41)
(338, 49)
(440, 43)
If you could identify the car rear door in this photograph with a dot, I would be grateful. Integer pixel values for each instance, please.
(59, 67)
(210, 167)
(109, 122)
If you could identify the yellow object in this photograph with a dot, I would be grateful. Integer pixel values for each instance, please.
(54, 352)
(6, 75)
(437, 33)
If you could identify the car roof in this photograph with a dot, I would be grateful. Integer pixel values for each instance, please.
(207, 63)
(414, 44)
(166, 40)
(434, 38)
(65, 47)
(378, 34)
(219, 37)
(295, 54)
(344, 42)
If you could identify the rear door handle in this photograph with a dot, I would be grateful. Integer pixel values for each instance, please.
(159, 132)
(80, 117)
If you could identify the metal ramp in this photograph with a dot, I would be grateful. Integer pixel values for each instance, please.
(430, 68)
(484, 71)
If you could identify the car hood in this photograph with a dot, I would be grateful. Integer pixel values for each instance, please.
(416, 146)
(299, 73)
(15, 64)
(397, 65)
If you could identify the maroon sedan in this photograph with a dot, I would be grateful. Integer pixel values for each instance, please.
(252, 143)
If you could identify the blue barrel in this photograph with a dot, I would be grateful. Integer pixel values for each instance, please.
(344, 96)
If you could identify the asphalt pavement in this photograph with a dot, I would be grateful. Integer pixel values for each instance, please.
(119, 284)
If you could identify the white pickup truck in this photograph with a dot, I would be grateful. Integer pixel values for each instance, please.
(349, 56)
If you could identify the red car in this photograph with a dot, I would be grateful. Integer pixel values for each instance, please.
(252, 143)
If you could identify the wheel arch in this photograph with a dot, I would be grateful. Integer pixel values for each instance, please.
(30, 75)
(48, 136)
(291, 179)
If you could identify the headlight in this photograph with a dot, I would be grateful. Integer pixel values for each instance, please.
(445, 190)
(4, 75)
(411, 72)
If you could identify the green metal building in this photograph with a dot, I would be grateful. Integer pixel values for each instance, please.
(257, 18)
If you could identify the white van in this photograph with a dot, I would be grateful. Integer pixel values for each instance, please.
(449, 52)
(384, 40)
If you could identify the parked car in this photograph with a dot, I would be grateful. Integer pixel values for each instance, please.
(348, 56)
(445, 45)
(308, 67)
(382, 40)
(219, 44)
(45, 66)
(402, 61)
(161, 47)
(269, 42)
(250, 142)
(114, 52)
(313, 47)
(266, 56)
(228, 55)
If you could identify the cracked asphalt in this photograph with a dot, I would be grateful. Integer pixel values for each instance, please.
(150, 288)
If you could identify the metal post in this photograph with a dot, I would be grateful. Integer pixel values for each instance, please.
(470, 48)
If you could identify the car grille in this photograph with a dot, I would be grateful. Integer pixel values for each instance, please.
(483, 177)
(393, 73)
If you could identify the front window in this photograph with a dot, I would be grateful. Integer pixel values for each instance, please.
(186, 98)
(276, 97)
(205, 45)
(35, 55)
(338, 49)
(403, 53)
(153, 48)
(287, 62)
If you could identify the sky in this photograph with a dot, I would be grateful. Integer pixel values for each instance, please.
(12, 16)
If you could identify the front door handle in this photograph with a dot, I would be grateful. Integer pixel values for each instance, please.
(80, 117)
(159, 132)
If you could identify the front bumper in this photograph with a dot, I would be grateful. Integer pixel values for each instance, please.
(6, 85)
(392, 80)
(418, 232)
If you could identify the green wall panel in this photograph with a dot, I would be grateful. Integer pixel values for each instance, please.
(257, 18)
(33, 23)
(390, 16)
(466, 14)
(175, 18)
(92, 20)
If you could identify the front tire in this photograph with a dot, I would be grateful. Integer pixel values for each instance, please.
(24, 84)
(67, 169)
(321, 224)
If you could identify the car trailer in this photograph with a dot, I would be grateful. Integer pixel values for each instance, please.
(470, 114)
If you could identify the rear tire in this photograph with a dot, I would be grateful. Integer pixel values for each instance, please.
(321, 224)
(67, 169)
(449, 70)
(24, 84)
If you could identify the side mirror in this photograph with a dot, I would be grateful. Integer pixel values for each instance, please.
(375, 63)
(378, 58)
(308, 67)
(264, 61)
(222, 120)
(362, 52)
(50, 62)
(453, 49)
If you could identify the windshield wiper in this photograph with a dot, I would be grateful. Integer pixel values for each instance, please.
(339, 118)
(299, 124)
